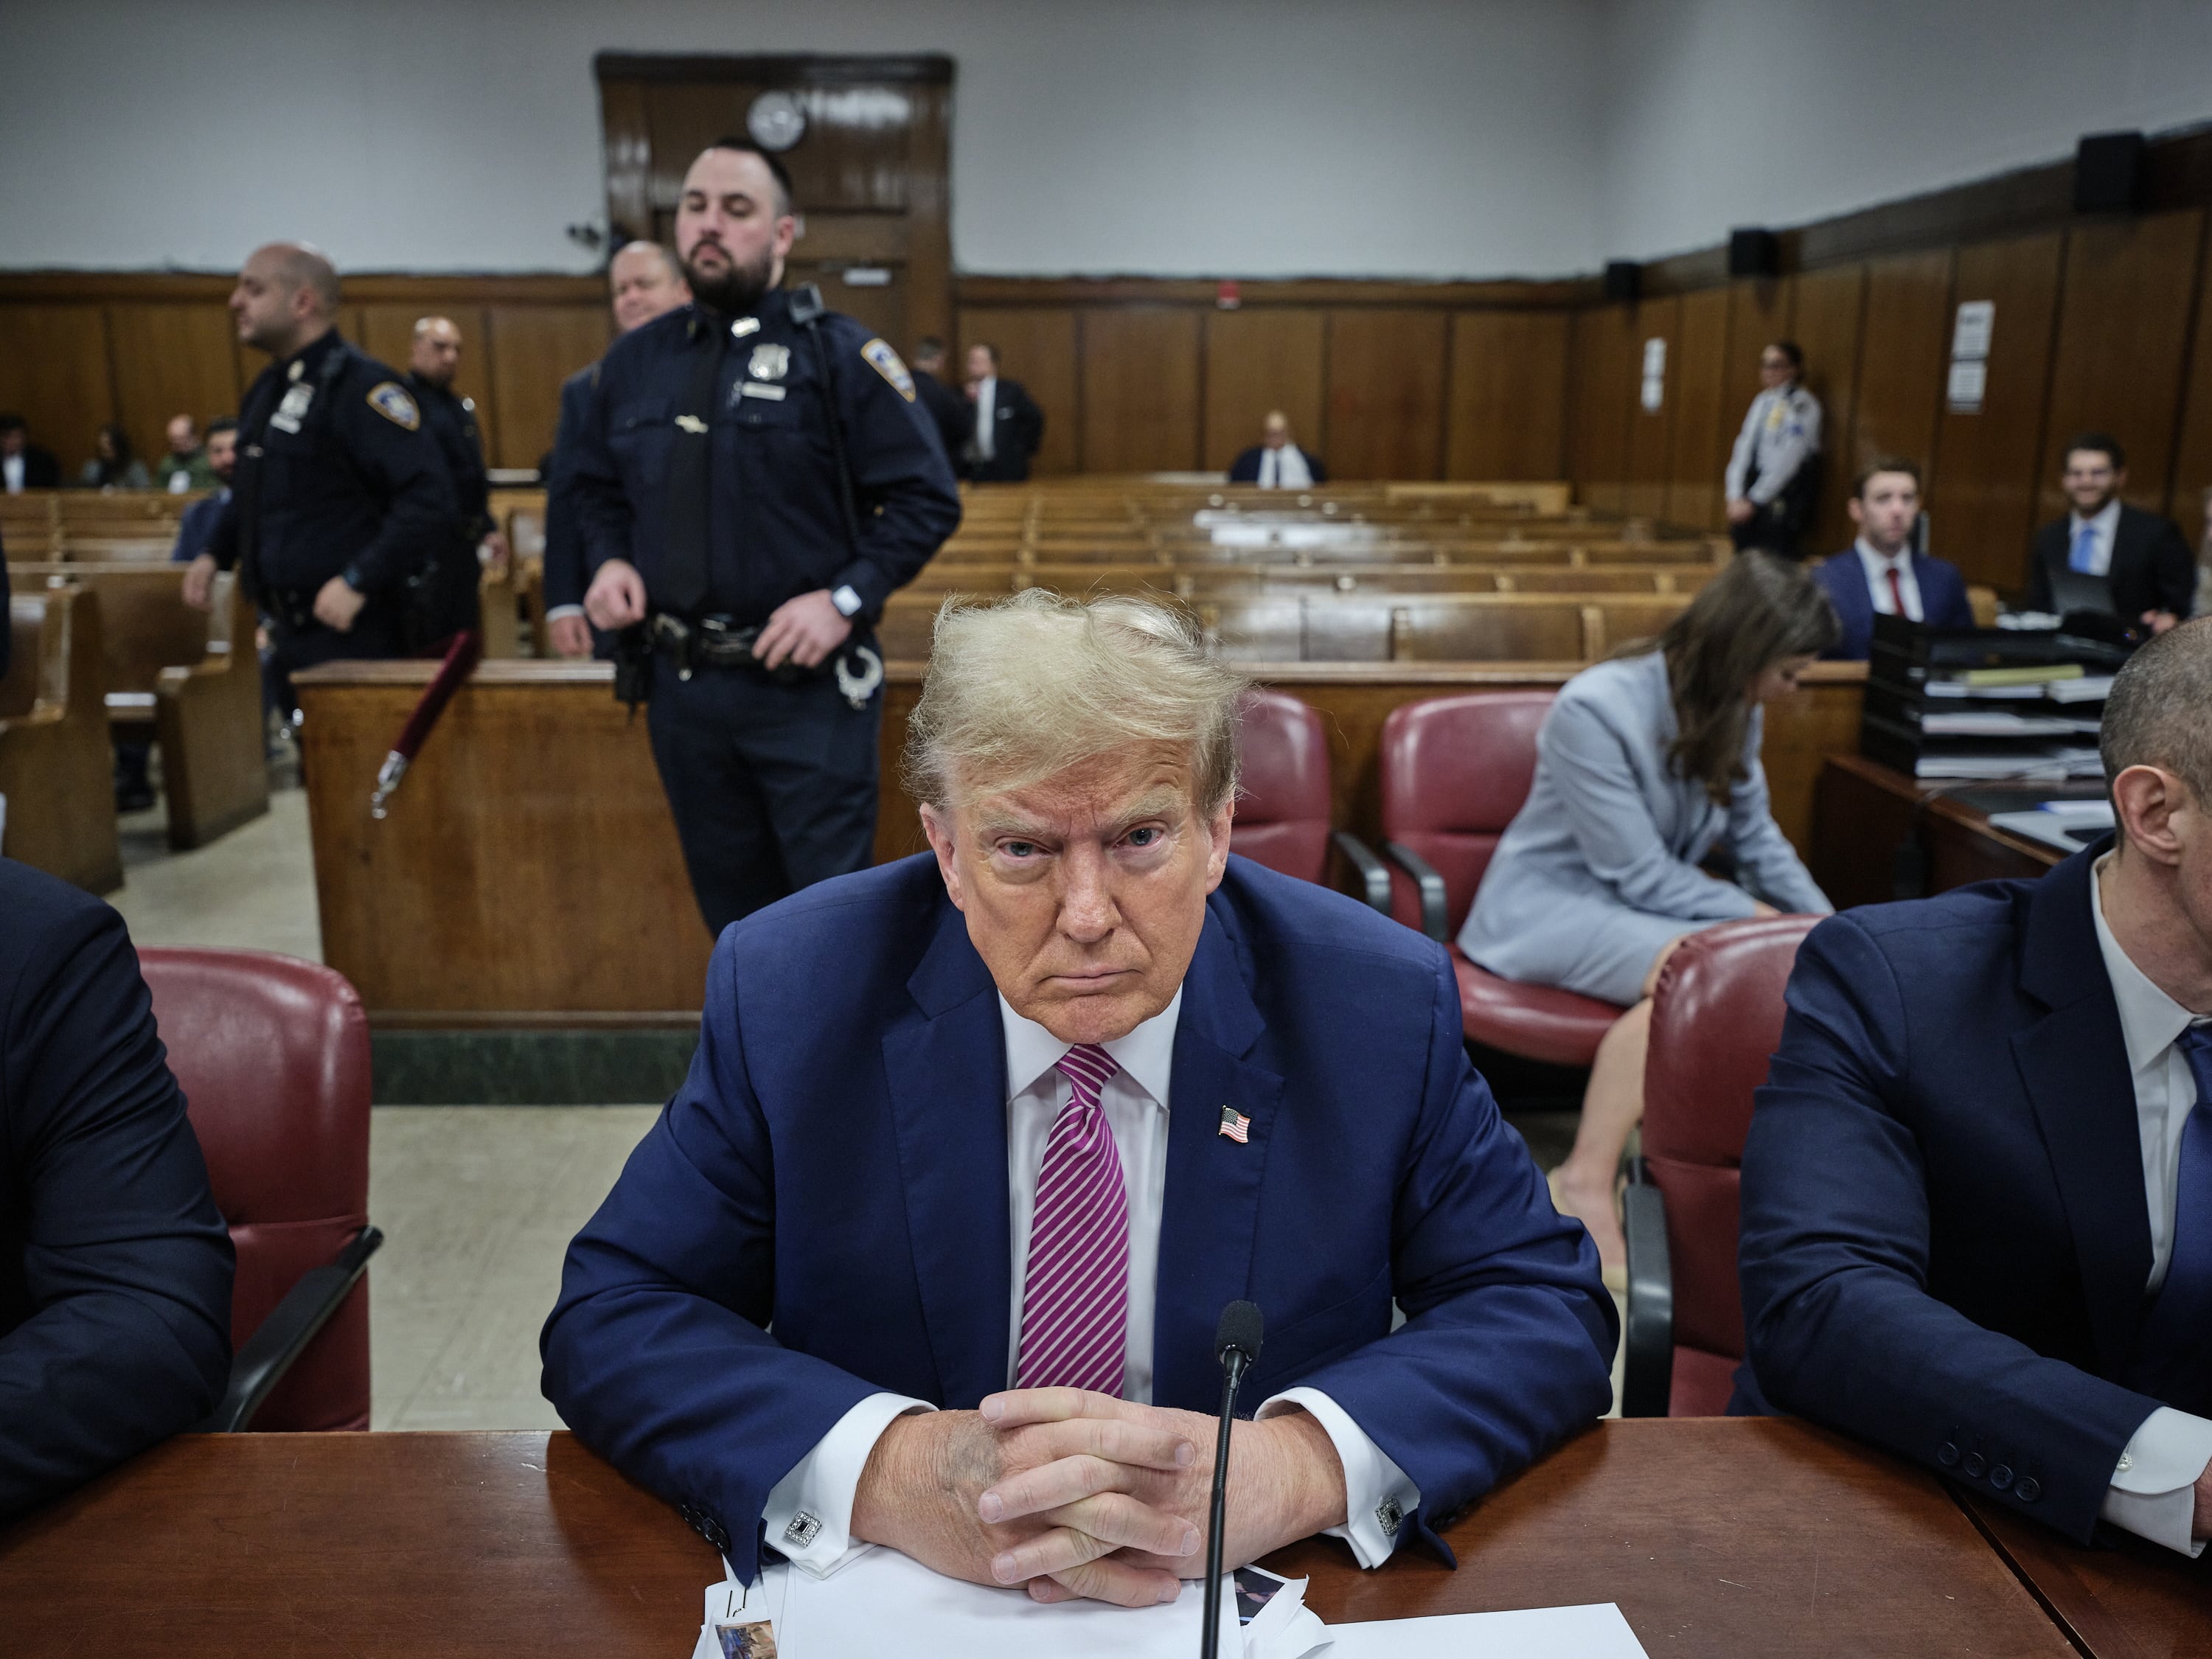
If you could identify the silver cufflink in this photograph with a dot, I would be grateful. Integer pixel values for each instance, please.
(1389, 1517)
(803, 1530)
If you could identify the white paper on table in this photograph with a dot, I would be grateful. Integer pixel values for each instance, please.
(730, 1601)
(1286, 1628)
(1596, 1631)
(888, 1603)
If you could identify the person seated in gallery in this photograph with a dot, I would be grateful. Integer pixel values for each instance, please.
(1275, 462)
(1881, 573)
(2105, 555)
(1978, 1188)
(1648, 767)
(994, 1133)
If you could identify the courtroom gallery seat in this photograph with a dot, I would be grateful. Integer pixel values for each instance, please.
(1454, 770)
(1715, 1021)
(1284, 796)
(272, 1055)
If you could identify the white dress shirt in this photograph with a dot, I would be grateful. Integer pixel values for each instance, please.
(987, 417)
(11, 473)
(2102, 528)
(2153, 1491)
(1284, 468)
(1877, 570)
(809, 1513)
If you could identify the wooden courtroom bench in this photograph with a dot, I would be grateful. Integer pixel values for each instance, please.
(57, 768)
(191, 681)
(489, 898)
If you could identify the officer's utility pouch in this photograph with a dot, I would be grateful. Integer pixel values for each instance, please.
(634, 667)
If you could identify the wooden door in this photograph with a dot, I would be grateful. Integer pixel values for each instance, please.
(870, 167)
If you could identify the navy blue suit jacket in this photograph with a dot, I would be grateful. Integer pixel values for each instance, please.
(1943, 601)
(114, 1266)
(1945, 1233)
(1245, 469)
(565, 577)
(835, 1163)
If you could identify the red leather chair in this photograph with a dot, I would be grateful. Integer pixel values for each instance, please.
(1284, 803)
(1716, 1022)
(273, 1054)
(1455, 771)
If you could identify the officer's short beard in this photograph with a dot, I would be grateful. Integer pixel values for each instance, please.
(735, 289)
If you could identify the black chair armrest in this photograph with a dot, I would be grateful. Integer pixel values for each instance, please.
(1647, 1363)
(1433, 898)
(260, 1364)
(1373, 874)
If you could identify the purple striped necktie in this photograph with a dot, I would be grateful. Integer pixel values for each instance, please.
(1075, 1294)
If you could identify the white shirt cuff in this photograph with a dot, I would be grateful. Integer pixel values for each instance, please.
(2153, 1491)
(1377, 1496)
(554, 613)
(809, 1513)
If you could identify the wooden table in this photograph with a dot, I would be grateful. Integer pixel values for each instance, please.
(1864, 812)
(2131, 1600)
(1716, 1537)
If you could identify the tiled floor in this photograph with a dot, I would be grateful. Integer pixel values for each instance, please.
(254, 888)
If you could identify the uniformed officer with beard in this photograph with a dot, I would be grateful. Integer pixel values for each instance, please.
(753, 480)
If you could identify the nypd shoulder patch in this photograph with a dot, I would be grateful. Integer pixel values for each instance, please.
(886, 362)
(390, 399)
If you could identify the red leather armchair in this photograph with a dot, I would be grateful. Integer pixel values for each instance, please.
(273, 1054)
(1716, 1022)
(1284, 805)
(1454, 770)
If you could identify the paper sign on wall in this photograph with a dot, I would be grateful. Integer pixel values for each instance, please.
(1655, 375)
(1969, 379)
(1970, 334)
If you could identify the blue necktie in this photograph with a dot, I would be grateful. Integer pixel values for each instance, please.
(2083, 558)
(2175, 1347)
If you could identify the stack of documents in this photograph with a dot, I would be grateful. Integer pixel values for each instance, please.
(885, 1603)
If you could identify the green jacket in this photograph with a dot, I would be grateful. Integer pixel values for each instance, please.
(198, 473)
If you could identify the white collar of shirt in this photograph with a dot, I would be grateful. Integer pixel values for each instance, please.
(1877, 570)
(2150, 1020)
(2106, 521)
(1145, 1055)
(11, 467)
(1284, 468)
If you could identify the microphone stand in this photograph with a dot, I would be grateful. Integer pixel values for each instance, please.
(1237, 1344)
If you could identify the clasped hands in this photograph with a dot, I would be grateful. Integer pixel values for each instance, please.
(1071, 1493)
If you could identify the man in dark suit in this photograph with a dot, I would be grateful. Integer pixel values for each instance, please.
(23, 464)
(2138, 559)
(1880, 574)
(645, 282)
(1004, 425)
(1275, 462)
(114, 1266)
(982, 1129)
(947, 408)
(1977, 1189)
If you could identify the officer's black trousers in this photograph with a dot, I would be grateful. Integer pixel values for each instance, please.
(375, 633)
(772, 786)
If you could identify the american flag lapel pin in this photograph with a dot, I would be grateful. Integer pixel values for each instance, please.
(1236, 1125)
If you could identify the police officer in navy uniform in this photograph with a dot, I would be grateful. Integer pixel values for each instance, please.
(434, 357)
(753, 480)
(340, 498)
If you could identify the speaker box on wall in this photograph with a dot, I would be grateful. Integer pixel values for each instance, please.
(1754, 254)
(1624, 278)
(2108, 171)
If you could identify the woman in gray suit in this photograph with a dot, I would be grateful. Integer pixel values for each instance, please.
(1647, 768)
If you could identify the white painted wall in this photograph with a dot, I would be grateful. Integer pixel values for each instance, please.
(1194, 137)
(1249, 138)
(1726, 112)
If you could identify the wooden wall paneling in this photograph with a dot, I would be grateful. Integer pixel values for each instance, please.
(1509, 391)
(170, 359)
(1386, 393)
(2122, 315)
(1140, 390)
(2193, 454)
(1605, 362)
(1038, 347)
(1260, 359)
(1905, 346)
(1981, 509)
(54, 373)
(529, 350)
(1650, 431)
(1824, 321)
(1702, 428)
(388, 335)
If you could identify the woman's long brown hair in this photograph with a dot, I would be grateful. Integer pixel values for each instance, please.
(1757, 611)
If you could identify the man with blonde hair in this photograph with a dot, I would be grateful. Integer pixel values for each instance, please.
(993, 1133)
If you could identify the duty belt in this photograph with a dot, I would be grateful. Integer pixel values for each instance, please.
(718, 642)
(292, 609)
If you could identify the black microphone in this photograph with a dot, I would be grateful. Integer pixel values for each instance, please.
(1236, 1346)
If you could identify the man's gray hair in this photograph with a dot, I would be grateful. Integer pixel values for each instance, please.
(1025, 687)
(2159, 710)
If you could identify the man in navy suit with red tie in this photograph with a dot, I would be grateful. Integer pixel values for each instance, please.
(1977, 1189)
(1880, 574)
(929, 1249)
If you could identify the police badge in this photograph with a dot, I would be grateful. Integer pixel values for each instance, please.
(390, 399)
(770, 362)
